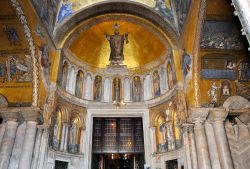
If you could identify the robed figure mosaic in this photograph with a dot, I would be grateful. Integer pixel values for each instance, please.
(116, 42)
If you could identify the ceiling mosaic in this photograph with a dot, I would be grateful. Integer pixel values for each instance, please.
(68, 7)
(55, 12)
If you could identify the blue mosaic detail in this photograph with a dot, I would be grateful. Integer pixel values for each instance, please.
(218, 74)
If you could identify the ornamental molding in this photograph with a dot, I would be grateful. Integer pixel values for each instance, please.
(32, 50)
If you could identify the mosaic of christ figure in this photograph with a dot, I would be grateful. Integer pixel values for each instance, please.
(116, 42)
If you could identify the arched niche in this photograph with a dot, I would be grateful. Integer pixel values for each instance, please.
(136, 89)
(116, 88)
(71, 80)
(88, 87)
(56, 129)
(164, 79)
(147, 87)
(74, 136)
(107, 90)
(170, 75)
(127, 89)
(98, 88)
(156, 84)
(79, 84)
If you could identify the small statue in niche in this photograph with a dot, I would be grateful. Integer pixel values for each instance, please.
(117, 45)
(156, 84)
(116, 89)
(213, 94)
(98, 88)
(136, 89)
(170, 75)
(79, 84)
(170, 133)
(73, 147)
(166, 128)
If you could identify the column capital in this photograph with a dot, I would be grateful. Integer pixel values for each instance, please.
(217, 114)
(43, 126)
(197, 115)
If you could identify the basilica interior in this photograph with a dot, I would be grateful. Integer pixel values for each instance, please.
(124, 84)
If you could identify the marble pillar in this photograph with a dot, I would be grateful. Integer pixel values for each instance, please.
(65, 147)
(192, 147)
(82, 142)
(28, 145)
(7, 143)
(198, 117)
(153, 139)
(43, 147)
(218, 116)
(17, 148)
(37, 147)
(214, 156)
(187, 146)
(2, 129)
(62, 137)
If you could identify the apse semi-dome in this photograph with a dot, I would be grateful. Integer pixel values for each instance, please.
(146, 44)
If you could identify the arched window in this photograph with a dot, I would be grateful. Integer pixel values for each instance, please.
(98, 88)
(65, 70)
(79, 84)
(137, 89)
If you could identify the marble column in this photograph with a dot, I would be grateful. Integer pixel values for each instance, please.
(17, 148)
(7, 143)
(62, 137)
(198, 116)
(82, 142)
(37, 147)
(218, 116)
(28, 145)
(187, 146)
(2, 129)
(153, 140)
(65, 147)
(214, 156)
(43, 147)
(193, 147)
